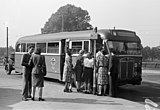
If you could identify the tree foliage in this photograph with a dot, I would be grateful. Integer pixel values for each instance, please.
(3, 51)
(67, 18)
(151, 54)
(146, 52)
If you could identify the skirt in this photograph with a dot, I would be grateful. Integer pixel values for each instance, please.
(79, 71)
(88, 75)
(103, 78)
(37, 80)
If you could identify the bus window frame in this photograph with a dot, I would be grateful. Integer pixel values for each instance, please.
(25, 49)
(45, 46)
(105, 43)
(18, 45)
(35, 44)
(88, 45)
(138, 43)
(59, 51)
(70, 43)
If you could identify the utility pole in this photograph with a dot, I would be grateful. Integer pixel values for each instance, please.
(7, 42)
(62, 23)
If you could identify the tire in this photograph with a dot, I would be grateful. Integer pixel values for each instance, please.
(8, 69)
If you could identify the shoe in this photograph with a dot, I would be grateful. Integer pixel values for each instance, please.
(78, 90)
(65, 90)
(32, 98)
(40, 99)
(24, 99)
(99, 94)
(70, 90)
(29, 96)
(86, 92)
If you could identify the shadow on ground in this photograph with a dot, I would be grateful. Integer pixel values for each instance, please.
(9, 97)
(140, 93)
(83, 101)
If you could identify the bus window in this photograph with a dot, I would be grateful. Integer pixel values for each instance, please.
(18, 48)
(86, 46)
(42, 46)
(23, 47)
(30, 44)
(53, 47)
(121, 48)
(133, 48)
(76, 47)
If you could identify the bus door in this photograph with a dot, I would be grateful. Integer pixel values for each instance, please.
(62, 57)
(64, 47)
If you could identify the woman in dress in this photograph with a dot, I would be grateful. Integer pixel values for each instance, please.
(37, 62)
(79, 69)
(102, 65)
(68, 71)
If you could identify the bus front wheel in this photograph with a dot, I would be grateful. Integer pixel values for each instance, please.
(8, 69)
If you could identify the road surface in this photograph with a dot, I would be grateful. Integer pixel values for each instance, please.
(129, 97)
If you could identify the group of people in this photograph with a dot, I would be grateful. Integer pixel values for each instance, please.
(80, 73)
(83, 72)
(34, 70)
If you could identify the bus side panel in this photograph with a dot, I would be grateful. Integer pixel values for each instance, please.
(53, 66)
(18, 67)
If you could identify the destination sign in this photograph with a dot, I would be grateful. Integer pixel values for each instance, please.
(126, 34)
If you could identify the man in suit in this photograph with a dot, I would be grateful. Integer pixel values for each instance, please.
(113, 75)
(26, 77)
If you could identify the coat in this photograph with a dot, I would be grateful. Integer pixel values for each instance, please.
(37, 62)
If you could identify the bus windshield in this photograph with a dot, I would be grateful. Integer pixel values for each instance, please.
(124, 48)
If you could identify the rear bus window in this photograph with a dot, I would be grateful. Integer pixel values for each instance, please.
(18, 48)
(76, 47)
(23, 47)
(53, 47)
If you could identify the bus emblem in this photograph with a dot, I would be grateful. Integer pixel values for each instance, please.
(53, 61)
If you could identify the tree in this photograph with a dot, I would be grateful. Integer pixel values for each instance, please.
(151, 54)
(146, 53)
(67, 18)
(3, 51)
(155, 52)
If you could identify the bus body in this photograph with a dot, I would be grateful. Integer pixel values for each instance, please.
(124, 46)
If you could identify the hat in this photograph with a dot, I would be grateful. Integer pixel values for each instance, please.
(37, 50)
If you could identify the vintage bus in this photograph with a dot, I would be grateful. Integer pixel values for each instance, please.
(124, 44)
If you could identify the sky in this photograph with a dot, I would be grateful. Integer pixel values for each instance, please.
(27, 17)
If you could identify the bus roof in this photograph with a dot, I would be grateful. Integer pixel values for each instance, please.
(77, 35)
